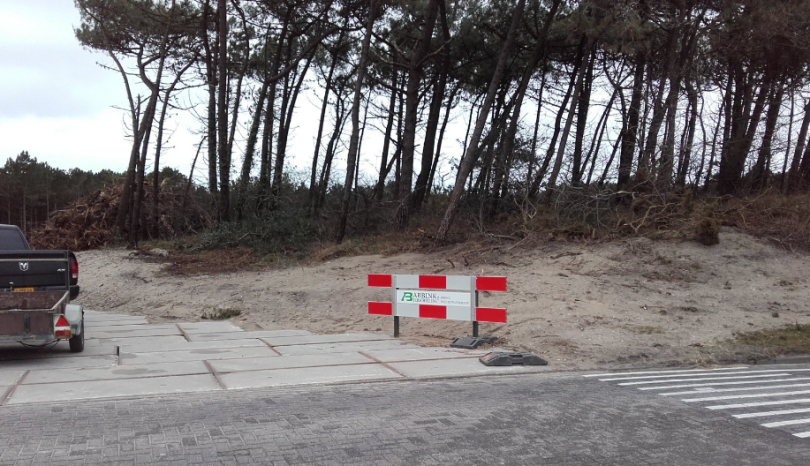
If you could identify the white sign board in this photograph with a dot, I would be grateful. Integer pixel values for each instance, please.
(438, 298)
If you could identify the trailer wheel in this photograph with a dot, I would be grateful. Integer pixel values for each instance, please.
(77, 342)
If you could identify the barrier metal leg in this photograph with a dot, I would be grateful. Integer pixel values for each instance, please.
(396, 326)
(475, 328)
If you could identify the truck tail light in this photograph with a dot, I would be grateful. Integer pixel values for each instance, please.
(74, 268)
(61, 328)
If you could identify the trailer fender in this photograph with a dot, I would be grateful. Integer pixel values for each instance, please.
(74, 313)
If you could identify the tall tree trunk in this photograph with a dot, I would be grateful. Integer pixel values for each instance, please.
(704, 143)
(269, 119)
(429, 154)
(156, 168)
(676, 70)
(222, 116)
(190, 180)
(398, 151)
(533, 150)
(125, 204)
(584, 55)
(686, 149)
(538, 53)
(385, 167)
(759, 175)
(470, 153)
(415, 71)
(732, 165)
(552, 146)
(646, 163)
(326, 169)
(211, 82)
(360, 151)
(596, 142)
(355, 117)
(428, 145)
(324, 104)
(250, 149)
(582, 119)
(629, 134)
(149, 118)
(793, 176)
(284, 130)
(436, 158)
(783, 180)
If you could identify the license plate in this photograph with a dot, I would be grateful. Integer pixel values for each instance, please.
(27, 289)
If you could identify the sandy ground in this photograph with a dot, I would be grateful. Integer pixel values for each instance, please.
(580, 306)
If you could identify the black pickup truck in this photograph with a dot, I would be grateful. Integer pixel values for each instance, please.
(35, 292)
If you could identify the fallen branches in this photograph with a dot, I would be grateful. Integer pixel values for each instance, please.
(90, 222)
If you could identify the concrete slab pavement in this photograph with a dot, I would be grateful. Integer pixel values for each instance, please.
(126, 357)
(307, 375)
(453, 367)
(135, 347)
(288, 362)
(240, 335)
(90, 374)
(196, 355)
(351, 347)
(209, 327)
(68, 391)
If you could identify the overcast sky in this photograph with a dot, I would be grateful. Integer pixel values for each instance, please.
(56, 101)
(58, 104)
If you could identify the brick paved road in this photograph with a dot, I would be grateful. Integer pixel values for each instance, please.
(530, 419)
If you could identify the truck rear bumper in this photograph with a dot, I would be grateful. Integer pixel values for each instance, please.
(33, 339)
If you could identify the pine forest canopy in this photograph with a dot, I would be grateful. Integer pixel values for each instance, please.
(631, 95)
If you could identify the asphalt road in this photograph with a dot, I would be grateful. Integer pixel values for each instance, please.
(529, 419)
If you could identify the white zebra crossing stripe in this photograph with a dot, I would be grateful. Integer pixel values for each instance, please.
(697, 374)
(683, 371)
(703, 391)
(761, 403)
(771, 413)
(751, 387)
(670, 376)
(736, 397)
(713, 384)
(792, 422)
(646, 382)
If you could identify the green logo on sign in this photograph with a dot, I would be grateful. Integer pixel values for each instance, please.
(407, 297)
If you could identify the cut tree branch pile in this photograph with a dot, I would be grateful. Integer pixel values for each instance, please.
(90, 222)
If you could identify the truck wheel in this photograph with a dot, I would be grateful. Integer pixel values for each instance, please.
(77, 342)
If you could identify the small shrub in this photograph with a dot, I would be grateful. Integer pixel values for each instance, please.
(274, 232)
(790, 339)
(220, 314)
(648, 329)
(707, 231)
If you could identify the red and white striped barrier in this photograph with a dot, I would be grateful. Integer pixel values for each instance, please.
(427, 296)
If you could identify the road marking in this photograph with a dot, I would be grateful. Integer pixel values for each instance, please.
(735, 397)
(670, 376)
(697, 375)
(723, 383)
(704, 391)
(666, 372)
(771, 413)
(733, 383)
(787, 423)
(761, 403)
(705, 378)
